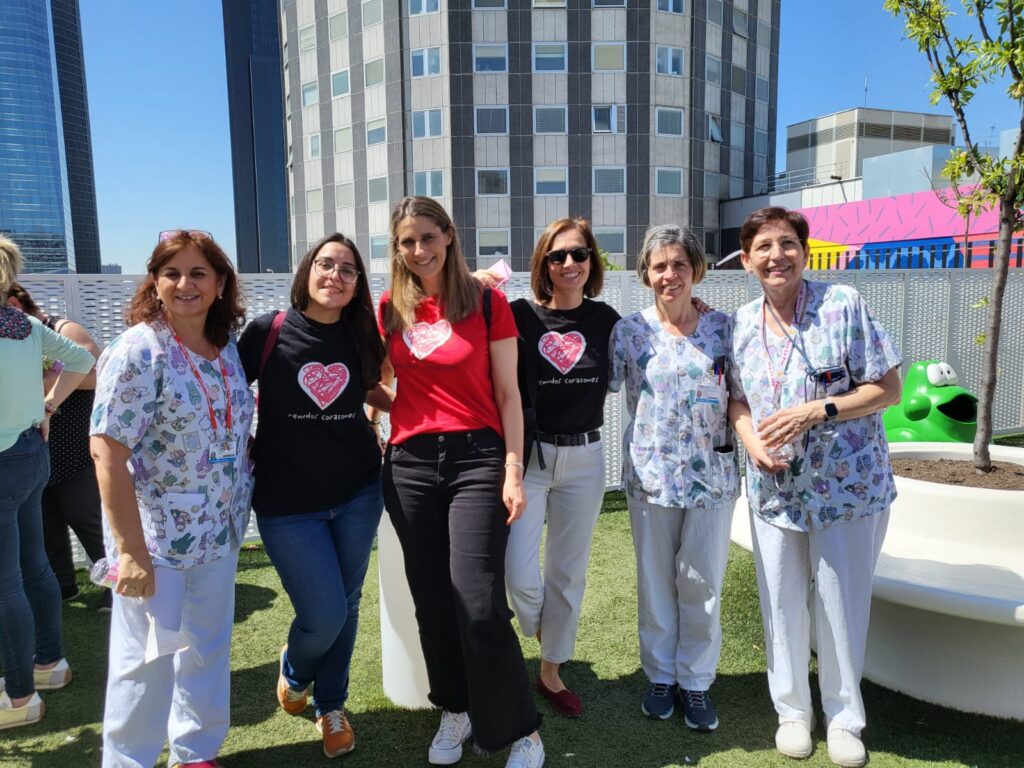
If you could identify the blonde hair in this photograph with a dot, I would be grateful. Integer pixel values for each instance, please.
(460, 294)
(11, 263)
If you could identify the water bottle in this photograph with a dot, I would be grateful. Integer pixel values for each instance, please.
(104, 573)
(783, 454)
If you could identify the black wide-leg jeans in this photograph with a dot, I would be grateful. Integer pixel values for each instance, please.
(443, 493)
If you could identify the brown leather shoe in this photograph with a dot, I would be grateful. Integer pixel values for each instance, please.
(292, 701)
(339, 738)
(564, 702)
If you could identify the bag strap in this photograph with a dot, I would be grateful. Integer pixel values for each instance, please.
(271, 340)
(487, 311)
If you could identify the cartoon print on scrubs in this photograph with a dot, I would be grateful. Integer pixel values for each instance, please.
(678, 407)
(147, 398)
(841, 471)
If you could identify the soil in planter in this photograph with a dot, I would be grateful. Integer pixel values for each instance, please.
(1005, 476)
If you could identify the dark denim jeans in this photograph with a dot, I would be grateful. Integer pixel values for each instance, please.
(443, 494)
(322, 558)
(30, 621)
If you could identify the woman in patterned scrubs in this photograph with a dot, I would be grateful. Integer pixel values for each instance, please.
(680, 474)
(812, 369)
(169, 430)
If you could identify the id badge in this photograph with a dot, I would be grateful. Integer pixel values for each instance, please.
(222, 451)
(710, 394)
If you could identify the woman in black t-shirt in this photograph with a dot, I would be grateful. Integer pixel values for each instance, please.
(317, 470)
(563, 377)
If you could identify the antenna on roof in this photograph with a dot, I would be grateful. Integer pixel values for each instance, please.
(865, 90)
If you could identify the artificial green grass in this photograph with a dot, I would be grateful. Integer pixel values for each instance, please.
(902, 732)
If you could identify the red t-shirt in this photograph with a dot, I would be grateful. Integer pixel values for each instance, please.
(444, 370)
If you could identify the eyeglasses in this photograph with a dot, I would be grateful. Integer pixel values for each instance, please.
(324, 267)
(579, 255)
(170, 234)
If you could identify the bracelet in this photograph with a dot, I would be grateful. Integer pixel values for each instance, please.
(515, 464)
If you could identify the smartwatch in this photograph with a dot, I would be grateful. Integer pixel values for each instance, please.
(830, 410)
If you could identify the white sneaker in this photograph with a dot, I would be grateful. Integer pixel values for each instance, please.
(454, 731)
(55, 677)
(845, 749)
(526, 753)
(793, 739)
(28, 713)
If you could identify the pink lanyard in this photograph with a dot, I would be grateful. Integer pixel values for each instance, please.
(775, 379)
(206, 392)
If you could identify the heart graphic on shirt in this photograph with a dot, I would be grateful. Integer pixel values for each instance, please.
(424, 338)
(323, 383)
(562, 351)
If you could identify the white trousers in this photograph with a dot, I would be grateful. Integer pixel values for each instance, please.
(182, 696)
(840, 560)
(680, 565)
(568, 493)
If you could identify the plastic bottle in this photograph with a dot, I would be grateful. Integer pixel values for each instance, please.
(104, 573)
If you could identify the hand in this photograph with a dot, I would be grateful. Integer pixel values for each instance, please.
(486, 279)
(786, 425)
(763, 460)
(135, 576)
(700, 306)
(514, 496)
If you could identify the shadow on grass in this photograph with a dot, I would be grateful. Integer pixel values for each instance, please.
(250, 598)
(82, 747)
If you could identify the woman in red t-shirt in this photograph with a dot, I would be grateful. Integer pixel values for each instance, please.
(453, 482)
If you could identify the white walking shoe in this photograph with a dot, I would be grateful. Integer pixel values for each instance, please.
(845, 749)
(793, 739)
(526, 753)
(454, 731)
(30, 712)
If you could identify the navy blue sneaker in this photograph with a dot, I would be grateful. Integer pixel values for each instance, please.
(659, 701)
(698, 711)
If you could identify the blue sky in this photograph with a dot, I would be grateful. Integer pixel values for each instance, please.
(158, 103)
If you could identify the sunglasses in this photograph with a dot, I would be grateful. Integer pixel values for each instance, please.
(324, 267)
(195, 234)
(579, 255)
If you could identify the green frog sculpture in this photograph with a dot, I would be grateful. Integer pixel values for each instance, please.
(934, 407)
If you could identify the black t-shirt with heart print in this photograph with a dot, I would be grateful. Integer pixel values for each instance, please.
(565, 353)
(314, 446)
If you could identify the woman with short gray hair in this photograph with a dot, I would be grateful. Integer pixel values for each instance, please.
(679, 471)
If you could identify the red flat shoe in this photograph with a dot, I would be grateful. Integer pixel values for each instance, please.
(564, 702)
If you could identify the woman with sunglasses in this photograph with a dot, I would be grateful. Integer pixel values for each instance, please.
(812, 372)
(453, 483)
(563, 377)
(170, 423)
(317, 470)
(680, 474)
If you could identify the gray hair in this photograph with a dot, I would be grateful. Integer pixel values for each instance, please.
(665, 236)
(11, 263)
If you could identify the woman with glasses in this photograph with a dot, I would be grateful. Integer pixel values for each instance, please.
(317, 470)
(680, 474)
(812, 371)
(563, 378)
(453, 483)
(170, 423)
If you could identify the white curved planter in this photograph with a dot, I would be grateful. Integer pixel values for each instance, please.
(947, 614)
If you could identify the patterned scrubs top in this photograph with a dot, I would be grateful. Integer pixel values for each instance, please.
(678, 450)
(147, 398)
(840, 471)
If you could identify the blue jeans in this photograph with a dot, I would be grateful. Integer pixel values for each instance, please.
(322, 558)
(30, 621)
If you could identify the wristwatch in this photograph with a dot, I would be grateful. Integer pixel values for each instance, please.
(830, 410)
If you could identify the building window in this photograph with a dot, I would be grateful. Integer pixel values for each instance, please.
(314, 199)
(492, 243)
(668, 181)
(609, 3)
(715, 11)
(608, 57)
(339, 83)
(377, 189)
(549, 3)
(740, 23)
(310, 94)
(378, 246)
(670, 6)
(314, 145)
(761, 89)
(488, 4)
(609, 118)
(428, 183)
(307, 37)
(669, 122)
(490, 58)
(713, 69)
(373, 12)
(549, 119)
(416, 7)
(373, 72)
(491, 120)
(612, 240)
(737, 135)
(712, 186)
(343, 140)
(345, 195)
(761, 142)
(426, 62)
(337, 24)
(736, 187)
(492, 181)
(609, 181)
(426, 123)
(376, 131)
(715, 129)
(670, 61)
(549, 57)
(551, 181)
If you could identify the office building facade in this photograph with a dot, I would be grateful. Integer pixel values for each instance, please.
(514, 113)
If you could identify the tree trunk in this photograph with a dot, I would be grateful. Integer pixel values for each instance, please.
(982, 460)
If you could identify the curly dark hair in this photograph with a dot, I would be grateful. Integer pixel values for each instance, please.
(227, 313)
